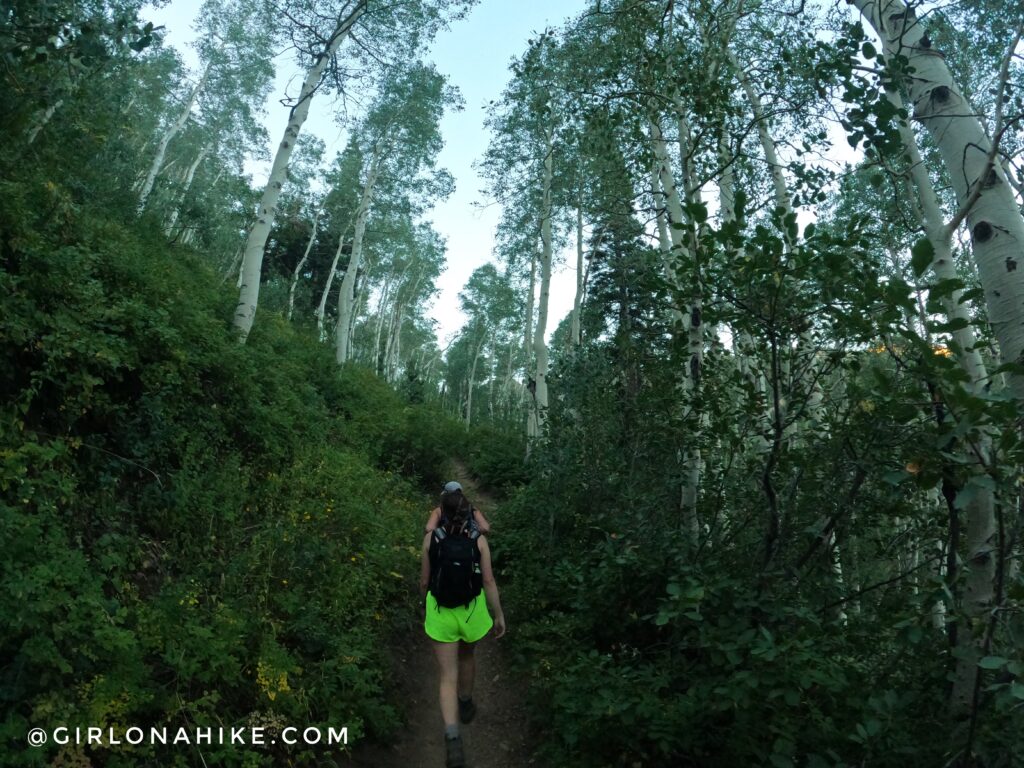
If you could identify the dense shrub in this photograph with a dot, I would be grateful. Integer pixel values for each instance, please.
(644, 651)
(194, 532)
(497, 456)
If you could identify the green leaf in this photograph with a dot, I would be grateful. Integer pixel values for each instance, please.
(993, 662)
(869, 51)
(921, 255)
(698, 212)
(895, 477)
(956, 324)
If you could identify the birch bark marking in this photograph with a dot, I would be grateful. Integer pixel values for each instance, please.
(539, 342)
(346, 296)
(993, 219)
(170, 133)
(252, 261)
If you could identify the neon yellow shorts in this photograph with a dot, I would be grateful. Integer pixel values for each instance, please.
(465, 622)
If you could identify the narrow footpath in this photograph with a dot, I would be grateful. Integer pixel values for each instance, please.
(497, 737)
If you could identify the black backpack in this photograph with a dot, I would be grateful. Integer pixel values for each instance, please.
(455, 578)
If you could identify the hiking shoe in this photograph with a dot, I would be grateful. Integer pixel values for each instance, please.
(467, 711)
(455, 757)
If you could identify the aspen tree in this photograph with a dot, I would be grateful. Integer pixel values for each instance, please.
(165, 139)
(346, 295)
(402, 134)
(186, 186)
(540, 344)
(252, 260)
(988, 207)
(302, 263)
(985, 198)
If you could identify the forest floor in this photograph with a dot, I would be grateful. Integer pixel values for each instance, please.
(498, 737)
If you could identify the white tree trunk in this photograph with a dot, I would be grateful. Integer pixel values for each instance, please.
(331, 273)
(186, 186)
(530, 301)
(358, 298)
(695, 341)
(396, 349)
(44, 117)
(532, 428)
(836, 566)
(394, 324)
(942, 265)
(301, 264)
(997, 232)
(381, 306)
(783, 202)
(322, 308)
(771, 158)
(233, 266)
(472, 381)
(540, 344)
(346, 296)
(980, 509)
(993, 219)
(578, 299)
(252, 262)
(743, 346)
(170, 133)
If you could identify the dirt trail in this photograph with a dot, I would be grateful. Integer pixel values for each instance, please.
(497, 737)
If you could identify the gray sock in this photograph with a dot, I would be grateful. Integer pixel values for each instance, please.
(451, 731)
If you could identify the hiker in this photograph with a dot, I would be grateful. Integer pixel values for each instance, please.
(456, 567)
(476, 516)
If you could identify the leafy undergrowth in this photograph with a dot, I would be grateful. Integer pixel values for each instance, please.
(642, 651)
(194, 533)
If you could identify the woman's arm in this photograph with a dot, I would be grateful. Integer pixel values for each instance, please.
(425, 566)
(481, 521)
(433, 520)
(491, 587)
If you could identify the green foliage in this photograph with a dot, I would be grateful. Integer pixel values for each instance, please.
(194, 532)
(496, 456)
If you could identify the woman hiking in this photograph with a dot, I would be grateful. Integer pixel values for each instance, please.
(456, 567)
(476, 515)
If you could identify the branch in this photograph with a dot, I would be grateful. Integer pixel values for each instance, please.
(887, 582)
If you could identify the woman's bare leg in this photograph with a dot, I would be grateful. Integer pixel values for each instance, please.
(467, 669)
(448, 663)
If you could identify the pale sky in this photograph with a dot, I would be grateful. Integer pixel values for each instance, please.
(474, 54)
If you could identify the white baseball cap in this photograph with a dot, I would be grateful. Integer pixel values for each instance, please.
(451, 486)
